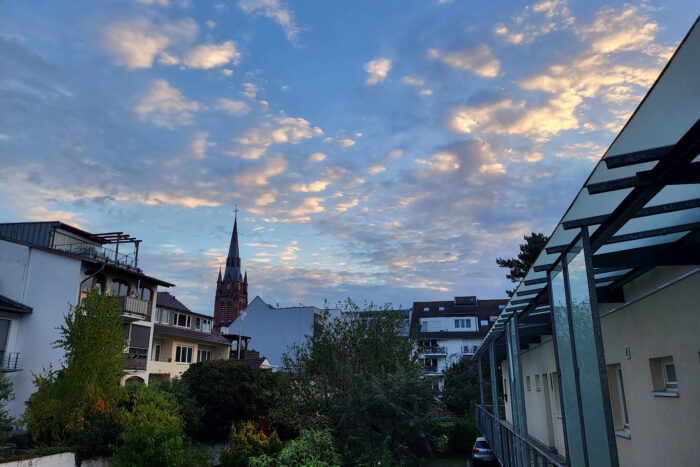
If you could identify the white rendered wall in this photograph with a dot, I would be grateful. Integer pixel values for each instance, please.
(272, 331)
(48, 283)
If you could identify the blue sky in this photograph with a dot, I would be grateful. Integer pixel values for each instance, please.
(382, 150)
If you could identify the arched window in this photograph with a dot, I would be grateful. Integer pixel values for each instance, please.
(119, 288)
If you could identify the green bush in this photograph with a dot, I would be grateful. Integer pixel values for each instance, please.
(314, 448)
(229, 392)
(153, 433)
(6, 395)
(248, 441)
(190, 412)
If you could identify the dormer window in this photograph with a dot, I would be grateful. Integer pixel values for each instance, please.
(183, 320)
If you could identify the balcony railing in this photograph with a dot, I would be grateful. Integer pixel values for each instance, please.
(511, 448)
(100, 253)
(431, 371)
(10, 361)
(438, 350)
(135, 361)
(141, 309)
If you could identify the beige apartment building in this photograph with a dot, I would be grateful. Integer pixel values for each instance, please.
(596, 357)
(182, 337)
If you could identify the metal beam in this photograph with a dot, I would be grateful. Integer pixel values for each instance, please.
(654, 233)
(542, 280)
(648, 211)
(666, 254)
(529, 292)
(645, 178)
(637, 157)
(543, 267)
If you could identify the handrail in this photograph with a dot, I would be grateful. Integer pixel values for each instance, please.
(510, 448)
(10, 361)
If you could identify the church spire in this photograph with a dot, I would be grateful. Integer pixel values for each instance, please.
(219, 279)
(233, 262)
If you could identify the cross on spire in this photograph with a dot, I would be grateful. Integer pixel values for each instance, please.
(235, 209)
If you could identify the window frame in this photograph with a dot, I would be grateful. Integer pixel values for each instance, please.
(622, 399)
(201, 352)
(188, 320)
(671, 386)
(189, 351)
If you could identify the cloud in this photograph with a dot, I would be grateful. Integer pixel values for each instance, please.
(377, 70)
(345, 142)
(478, 60)
(537, 20)
(250, 90)
(280, 129)
(166, 106)
(395, 154)
(311, 187)
(589, 150)
(166, 59)
(208, 56)
(199, 145)
(317, 157)
(376, 169)
(425, 92)
(274, 10)
(413, 80)
(260, 176)
(344, 206)
(136, 43)
(232, 107)
(155, 2)
(441, 162)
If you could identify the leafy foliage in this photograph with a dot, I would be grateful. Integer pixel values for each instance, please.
(361, 374)
(190, 412)
(229, 392)
(461, 390)
(314, 448)
(79, 402)
(248, 441)
(459, 436)
(6, 395)
(153, 433)
(529, 251)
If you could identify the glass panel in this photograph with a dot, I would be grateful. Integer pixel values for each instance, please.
(4, 331)
(140, 336)
(587, 348)
(566, 367)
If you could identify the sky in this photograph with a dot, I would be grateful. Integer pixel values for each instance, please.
(386, 151)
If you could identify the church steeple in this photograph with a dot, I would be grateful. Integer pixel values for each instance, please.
(232, 289)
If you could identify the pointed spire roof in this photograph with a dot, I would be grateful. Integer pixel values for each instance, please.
(219, 279)
(245, 278)
(233, 262)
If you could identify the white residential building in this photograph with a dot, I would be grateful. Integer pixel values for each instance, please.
(45, 267)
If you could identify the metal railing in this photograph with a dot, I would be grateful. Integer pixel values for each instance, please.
(135, 361)
(10, 361)
(100, 253)
(437, 350)
(136, 306)
(432, 371)
(510, 448)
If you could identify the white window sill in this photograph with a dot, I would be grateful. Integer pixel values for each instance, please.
(624, 433)
(665, 393)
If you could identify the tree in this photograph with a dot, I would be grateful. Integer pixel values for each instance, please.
(461, 390)
(6, 395)
(79, 402)
(529, 251)
(360, 375)
(228, 391)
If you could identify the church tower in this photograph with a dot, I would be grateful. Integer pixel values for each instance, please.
(231, 289)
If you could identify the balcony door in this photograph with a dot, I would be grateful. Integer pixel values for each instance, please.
(4, 333)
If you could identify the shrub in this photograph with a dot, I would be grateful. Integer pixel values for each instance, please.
(462, 436)
(229, 392)
(6, 395)
(153, 433)
(314, 448)
(248, 441)
(190, 412)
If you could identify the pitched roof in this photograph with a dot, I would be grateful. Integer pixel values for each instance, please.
(7, 304)
(189, 334)
(166, 300)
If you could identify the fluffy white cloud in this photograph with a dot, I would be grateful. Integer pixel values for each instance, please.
(274, 10)
(232, 107)
(311, 187)
(155, 2)
(376, 169)
(250, 90)
(441, 162)
(377, 70)
(278, 130)
(395, 154)
(208, 56)
(260, 176)
(537, 20)
(199, 145)
(317, 157)
(166, 59)
(345, 142)
(413, 80)
(166, 106)
(136, 43)
(479, 60)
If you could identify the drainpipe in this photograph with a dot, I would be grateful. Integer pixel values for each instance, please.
(80, 289)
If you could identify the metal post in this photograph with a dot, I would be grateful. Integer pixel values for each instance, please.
(481, 384)
(494, 397)
(517, 394)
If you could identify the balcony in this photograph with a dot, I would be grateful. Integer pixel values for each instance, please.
(135, 361)
(99, 253)
(135, 308)
(438, 350)
(469, 349)
(10, 361)
(510, 448)
(432, 371)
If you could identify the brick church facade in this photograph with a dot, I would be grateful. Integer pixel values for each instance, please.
(231, 288)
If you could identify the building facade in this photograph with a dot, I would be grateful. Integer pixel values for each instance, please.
(449, 330)
(182, 337)
(232, 288)
(45, 267)
(598, 350)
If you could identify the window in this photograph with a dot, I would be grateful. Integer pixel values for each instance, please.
(493, 318)
(182, 320)
(426, 308)
(663, 377)
(424, 326)
(537, 383)
(206, 325)
(120, 289)
(505, 392)
(204, 355)
(163, 315)
(197, 322)
(623, 402)
(183, 354)
(618, 401)
(157, 352)
(144, 294)
(527, 382)
(484, 322)
(463, 323)
(442, 308)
